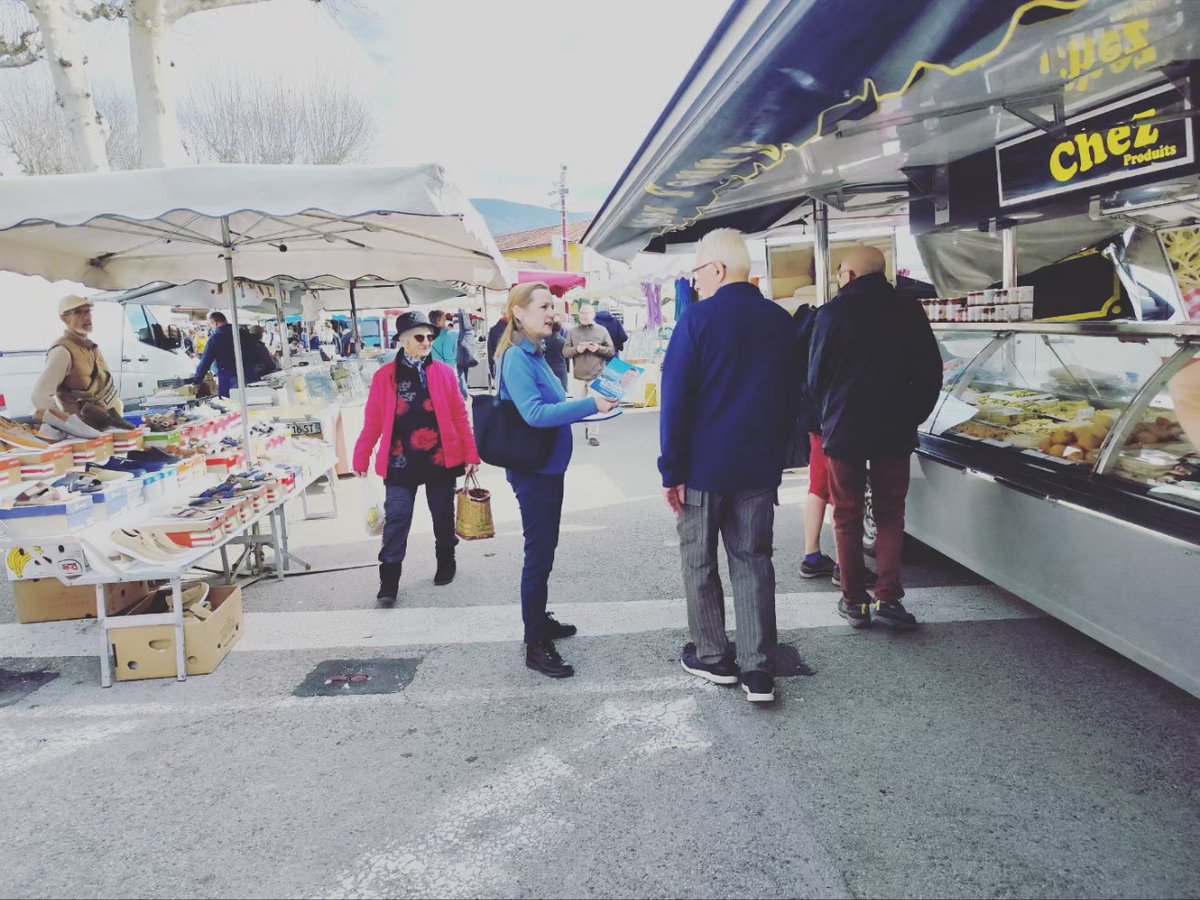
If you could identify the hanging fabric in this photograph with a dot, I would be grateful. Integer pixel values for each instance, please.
(652, 291)
(685, 296)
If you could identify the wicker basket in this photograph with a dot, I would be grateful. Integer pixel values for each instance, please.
(474, 519)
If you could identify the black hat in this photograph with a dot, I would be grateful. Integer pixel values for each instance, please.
(413, 319)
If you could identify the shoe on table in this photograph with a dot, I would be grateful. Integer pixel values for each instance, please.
(556, 630)
(870, 579)
(542, 657)
(724, 671)
(857, 614)
(822, 567)
(893, 613)
(759, 686)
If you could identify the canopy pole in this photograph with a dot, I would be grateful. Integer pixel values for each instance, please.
(239, 365)
(284, 344)
(1008, 236)
(487, 326)
(354, 322)
(821, 251)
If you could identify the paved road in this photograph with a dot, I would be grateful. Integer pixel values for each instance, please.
(994, 752)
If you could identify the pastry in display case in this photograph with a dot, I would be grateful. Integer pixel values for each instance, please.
(1063, 395)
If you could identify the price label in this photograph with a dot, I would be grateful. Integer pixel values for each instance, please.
(306, 428)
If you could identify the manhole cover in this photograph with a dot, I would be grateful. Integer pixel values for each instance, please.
(15, 686)
(344, 677)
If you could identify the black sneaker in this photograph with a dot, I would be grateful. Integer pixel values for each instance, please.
(893, 613)
(857, 614)
(556, 630)
(542, 657)
(759, 686)
(823, 567)
(870, 579)
(723, 672)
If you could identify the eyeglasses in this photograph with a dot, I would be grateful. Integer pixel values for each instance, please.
(705, 266)
(423, 337)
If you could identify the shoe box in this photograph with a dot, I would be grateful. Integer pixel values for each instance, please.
(149, 651)
(162, 439)
(60, 557)
(124, 441)
(96, 450)
(49, 600)
(51, 463)
(10, 470)
(193, 534)
(46, 520)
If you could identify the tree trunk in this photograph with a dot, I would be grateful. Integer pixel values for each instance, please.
(64, 55)
(158, 125)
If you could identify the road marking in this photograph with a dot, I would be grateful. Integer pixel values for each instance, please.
(442, 626)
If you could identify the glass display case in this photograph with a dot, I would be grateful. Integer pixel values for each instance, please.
(1098, 408)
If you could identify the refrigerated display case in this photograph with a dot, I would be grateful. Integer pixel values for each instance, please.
(1057, 464)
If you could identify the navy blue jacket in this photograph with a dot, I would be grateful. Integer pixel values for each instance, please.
(805, 318)
(729, 390)
(219, 351)
(615, 329)
(874, 371)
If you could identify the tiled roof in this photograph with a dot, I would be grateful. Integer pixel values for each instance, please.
(541, 237)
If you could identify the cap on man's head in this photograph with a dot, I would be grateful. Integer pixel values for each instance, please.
(70, 302)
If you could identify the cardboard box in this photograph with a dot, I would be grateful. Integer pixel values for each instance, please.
(49, 558)
(149, 652)
(10, 470)
(48, 464)
(97, 450)
(49, 600)
(34, 522)
(124, 441)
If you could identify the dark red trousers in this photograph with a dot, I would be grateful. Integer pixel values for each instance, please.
(889, 488)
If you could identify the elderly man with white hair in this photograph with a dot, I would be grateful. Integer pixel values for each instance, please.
(729, 400)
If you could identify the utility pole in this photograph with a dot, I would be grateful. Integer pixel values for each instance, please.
(560, 191)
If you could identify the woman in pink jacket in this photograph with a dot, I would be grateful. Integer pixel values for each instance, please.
(416, 415)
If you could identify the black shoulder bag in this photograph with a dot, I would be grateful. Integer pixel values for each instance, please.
(503, 436)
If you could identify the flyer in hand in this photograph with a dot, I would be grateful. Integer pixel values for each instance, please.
(617, 378)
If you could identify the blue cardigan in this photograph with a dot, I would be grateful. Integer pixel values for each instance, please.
(729, 393)
(528, 381)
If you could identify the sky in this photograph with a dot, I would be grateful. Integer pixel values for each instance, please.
(500, 93)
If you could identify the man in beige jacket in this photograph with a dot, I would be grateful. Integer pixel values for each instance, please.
(589, 347)
(77, 394)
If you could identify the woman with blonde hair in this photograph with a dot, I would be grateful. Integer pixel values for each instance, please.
(528, 381)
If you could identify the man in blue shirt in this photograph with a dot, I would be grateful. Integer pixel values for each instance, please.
(219, 352)
(729, 400)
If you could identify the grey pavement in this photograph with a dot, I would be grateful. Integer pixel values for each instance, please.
(994, 752)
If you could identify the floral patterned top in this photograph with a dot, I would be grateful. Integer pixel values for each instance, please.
(416, 455)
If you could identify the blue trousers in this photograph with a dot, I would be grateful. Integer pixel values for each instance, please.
(398, 515)
(540, 498)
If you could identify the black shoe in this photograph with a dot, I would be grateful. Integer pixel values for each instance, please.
(759, 686)
(542, 657)
(857, 614)
(870, 579)
(555, 630)
(389, 583)
(722, 672)
(447, 568)
(822, 567)
(893, 613)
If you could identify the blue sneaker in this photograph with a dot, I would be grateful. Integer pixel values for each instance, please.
(822, 568)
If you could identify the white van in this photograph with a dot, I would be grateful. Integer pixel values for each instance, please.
(133, 342)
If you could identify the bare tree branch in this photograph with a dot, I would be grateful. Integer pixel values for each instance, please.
(122, 146)
(33, 127)
(110, 10)
(20, 41)
(245, 120)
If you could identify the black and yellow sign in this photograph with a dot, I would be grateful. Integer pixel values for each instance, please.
(1115, 143)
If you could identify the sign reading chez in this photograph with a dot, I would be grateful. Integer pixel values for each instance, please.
(1116, 142)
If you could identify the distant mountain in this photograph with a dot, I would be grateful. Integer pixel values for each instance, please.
(506, 217)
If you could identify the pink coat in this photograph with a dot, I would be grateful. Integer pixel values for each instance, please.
(454, 428)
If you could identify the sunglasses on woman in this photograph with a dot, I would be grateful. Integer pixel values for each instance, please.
(422, 338)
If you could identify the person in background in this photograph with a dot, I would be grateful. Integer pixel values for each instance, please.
(257, 361)
(76, 395)
(347, 347)
(464, 351)
(189, 342)
(219, 352)
(589, 347)
(445, 346)
(610, 323)
(493, 341)
(553, 347)
(417, 417)
(201, 341)
(527, 380)
(875, 373)
(729, 386)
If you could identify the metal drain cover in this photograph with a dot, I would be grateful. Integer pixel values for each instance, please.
(345, 677)
(16, 686)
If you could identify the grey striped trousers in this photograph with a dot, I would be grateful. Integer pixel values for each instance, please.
(745, 521)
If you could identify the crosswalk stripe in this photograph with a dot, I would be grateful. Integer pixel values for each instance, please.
(369, 628)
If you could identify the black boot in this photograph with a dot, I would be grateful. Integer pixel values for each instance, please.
(447, 567)
(542, 657)
(389, 583)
